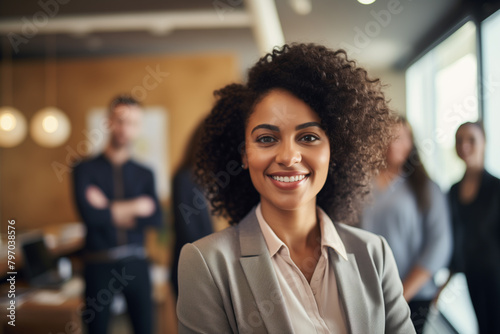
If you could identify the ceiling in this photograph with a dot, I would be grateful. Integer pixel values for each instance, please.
(386, 34)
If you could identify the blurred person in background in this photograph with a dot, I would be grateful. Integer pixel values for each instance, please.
(411, 212)
(475, 211)
(117, 201)
(191, 211)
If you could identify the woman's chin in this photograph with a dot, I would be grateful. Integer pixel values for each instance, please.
(289, 204)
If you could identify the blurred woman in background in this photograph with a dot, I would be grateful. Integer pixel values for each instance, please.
(475, 210)
(411, 212)
(192, 220)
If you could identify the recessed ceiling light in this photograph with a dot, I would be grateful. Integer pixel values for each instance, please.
(366, 2)
(301, 7)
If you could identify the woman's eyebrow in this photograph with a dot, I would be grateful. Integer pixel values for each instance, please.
(308, 124)
(266, 126)
(277, 129)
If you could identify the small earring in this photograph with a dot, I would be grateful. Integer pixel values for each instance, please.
(243, 166)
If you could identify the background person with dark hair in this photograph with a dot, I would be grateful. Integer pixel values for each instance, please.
(475, 210)
(411, 212)
(191, 210)
(305, 129)
(117, 201)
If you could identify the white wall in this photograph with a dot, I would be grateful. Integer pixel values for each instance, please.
(395, 90)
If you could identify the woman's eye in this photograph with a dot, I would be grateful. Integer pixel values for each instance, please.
(309, 138)
(266, 140)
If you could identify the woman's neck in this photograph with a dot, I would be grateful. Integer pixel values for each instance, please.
(473, 172)
(470, 184)
(298, 229)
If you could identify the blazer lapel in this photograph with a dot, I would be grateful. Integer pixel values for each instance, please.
(261, 277)
(351, 293)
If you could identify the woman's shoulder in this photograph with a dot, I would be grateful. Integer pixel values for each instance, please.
(353, 231)
(355, 238)
(455, 185)
(437, 195)
(218, 242)
(488, 177)
(225, 248)
(434, 186)
(368, 248)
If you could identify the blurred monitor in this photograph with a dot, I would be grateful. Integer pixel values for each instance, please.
(39, 265)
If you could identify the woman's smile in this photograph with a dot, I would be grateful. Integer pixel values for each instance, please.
(288, 180)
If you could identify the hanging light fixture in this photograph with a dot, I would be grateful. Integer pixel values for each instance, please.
(12, 127)
(50, 127)
(12, 121)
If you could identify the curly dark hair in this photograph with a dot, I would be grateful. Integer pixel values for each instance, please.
(353, 111)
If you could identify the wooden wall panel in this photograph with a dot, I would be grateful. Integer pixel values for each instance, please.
(30, 190)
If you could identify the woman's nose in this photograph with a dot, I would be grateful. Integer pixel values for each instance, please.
(465, 147)
(288, 154)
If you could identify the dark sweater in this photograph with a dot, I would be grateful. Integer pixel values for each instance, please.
(137, 180)
(476, 228)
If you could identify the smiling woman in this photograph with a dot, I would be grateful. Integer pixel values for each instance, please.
(308, 129)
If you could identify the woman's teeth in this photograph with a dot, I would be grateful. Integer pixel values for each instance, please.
(288, 178)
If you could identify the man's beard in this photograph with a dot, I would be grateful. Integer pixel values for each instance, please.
(117, 144)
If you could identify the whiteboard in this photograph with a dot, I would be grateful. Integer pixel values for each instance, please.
(150, 148)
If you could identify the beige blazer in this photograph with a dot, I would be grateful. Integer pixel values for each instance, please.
(227, 284)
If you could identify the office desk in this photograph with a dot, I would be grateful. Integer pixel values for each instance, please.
(48, 311)
(62, 239)
(33, 316)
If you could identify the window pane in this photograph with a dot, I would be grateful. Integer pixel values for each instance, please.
(441, 95)
(491, 90)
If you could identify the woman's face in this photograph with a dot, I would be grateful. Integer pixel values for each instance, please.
(286, 151)
(400, 147)
(470, 145)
